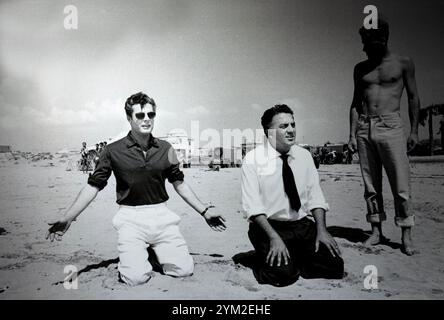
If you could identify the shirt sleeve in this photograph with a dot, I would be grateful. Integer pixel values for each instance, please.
(251, 199)
(315, 196)
(101, 174)
(173, 172)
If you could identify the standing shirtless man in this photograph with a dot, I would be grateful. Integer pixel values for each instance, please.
(377, 131)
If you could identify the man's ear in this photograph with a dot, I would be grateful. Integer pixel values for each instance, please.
(128, 118)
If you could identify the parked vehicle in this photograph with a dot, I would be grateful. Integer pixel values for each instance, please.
(225, 158)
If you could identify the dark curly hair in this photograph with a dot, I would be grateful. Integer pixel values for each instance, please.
(138, 98)
(268, 115)
(381, 33)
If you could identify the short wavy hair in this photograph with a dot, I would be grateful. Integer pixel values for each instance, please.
(268, 115)
(381, 33)
(138, 98)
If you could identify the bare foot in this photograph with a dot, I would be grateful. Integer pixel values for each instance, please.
(407, 243)
(374, 239)
(407, 246)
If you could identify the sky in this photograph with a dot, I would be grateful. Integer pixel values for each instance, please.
(218, 62)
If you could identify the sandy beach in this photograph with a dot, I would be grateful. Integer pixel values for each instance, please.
(33, 193)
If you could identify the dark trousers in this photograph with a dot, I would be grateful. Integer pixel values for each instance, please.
(299, 237)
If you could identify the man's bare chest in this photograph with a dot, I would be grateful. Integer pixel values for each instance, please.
(384, 74)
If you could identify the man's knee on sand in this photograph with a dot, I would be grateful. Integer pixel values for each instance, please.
(323, 265)
(278, 276)
(132, 278)
(330, 269)
(184, 269)
(339, 268)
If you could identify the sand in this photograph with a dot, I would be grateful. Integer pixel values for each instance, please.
(33, 193)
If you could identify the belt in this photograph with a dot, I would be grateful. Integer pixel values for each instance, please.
(368, 117)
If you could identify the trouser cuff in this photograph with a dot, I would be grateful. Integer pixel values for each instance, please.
(405, 222)
(376, 217)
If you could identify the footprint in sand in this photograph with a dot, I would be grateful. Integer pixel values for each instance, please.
(352, 279)
(112, 282)
(4, 289)
(364, 249)
(437, 291)
(388, 294)
(237, 279)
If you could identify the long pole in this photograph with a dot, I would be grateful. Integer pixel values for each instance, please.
(431, 131)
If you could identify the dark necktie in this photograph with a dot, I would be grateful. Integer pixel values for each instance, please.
(289, 184)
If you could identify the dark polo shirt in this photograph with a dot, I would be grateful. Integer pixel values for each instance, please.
(140, 180)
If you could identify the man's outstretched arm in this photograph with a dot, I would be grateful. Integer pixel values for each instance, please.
(61, 225)
(214, 220)
(96, 182)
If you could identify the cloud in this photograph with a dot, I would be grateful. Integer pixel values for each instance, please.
(293, 103)
(102, 111)
(256, 106)
(60, 114)
(198, 110)
(165, 113)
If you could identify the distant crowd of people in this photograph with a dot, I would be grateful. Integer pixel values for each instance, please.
(90, 158)
(325, 155)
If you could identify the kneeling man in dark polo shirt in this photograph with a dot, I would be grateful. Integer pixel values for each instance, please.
(141, 164)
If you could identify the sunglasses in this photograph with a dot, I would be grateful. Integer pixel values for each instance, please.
(141, 115)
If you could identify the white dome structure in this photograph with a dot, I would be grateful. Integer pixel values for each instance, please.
(178, 133)
(182, 144)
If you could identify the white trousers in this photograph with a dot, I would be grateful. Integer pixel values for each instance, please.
(157, 226)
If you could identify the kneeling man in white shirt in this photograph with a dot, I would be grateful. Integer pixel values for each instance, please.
(280, 197)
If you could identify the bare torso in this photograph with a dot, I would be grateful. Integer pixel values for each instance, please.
(380, 85)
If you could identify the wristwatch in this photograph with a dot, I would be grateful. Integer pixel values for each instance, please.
(205, 211)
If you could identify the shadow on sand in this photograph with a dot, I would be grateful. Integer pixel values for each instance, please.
(356, 235)
(152, 258)
(247, 259)
(102, 264)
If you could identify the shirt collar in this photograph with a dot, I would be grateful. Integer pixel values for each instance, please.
(273, 153)
(131, 142)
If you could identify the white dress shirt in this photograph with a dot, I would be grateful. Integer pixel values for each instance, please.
(263, 186)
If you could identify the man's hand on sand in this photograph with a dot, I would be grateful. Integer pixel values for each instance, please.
(58, 229)
(412, 141)
(352, 145)
(329, 242)
(215, 220)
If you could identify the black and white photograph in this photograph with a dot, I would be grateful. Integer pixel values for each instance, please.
(190, 150)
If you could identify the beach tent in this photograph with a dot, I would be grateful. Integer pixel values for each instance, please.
(4, 149)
